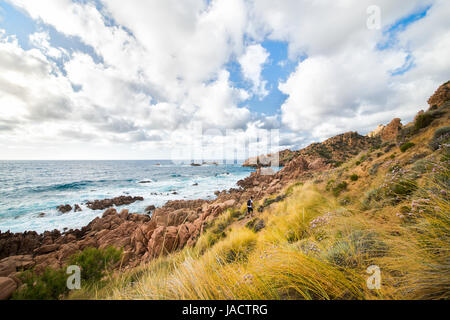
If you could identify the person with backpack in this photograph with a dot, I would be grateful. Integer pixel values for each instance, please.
(250, 206)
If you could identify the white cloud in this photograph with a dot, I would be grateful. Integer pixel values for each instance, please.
(160, 69)
(252, 62)
(41, 41)
(349, 84)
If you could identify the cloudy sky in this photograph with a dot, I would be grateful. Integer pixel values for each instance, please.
(153, 79)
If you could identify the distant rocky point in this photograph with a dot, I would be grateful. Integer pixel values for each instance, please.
(108, 203)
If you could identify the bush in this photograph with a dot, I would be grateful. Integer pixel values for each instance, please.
(51, 285)
(95, 262)
(389, 147)
(423, 121)
(354, 177)
(406, 146)
(441, 136)
(256, 225)
(339, 188)
(338, 164)
(422, 166)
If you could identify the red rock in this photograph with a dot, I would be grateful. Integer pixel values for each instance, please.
(18, 262)
(7, 288)
(108, 203)
(46, 249)
(109, 212)
(441, 96)
(66, 251)
(6, 269)
(390, 132)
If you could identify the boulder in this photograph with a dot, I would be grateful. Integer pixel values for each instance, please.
(109, 212)
(6, 269)
(46, 249)
(17, 262)
(66, 251)
(64, 208)
(7, 288)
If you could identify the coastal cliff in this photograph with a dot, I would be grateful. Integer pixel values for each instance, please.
(180, 224)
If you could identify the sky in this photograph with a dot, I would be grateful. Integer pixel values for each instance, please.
(198, 79)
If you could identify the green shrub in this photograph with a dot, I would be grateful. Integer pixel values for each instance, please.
(422, 166)
(95, 262)
(290, 189)
(406, 146)
(330, 184)
(337, 164)
(339, 188)
(212, 238)
(51, 285)
(354, 177)
(441, 136)
(389, 147)
(268, 202)
(256, 225)
(423, 121)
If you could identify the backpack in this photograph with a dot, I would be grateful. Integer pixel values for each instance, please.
(249, 203)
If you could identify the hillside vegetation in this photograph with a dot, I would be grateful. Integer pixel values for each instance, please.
(387, 206)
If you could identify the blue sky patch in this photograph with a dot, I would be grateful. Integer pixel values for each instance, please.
(391, 32)
(276, 70)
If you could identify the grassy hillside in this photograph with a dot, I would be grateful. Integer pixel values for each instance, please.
(387, 207)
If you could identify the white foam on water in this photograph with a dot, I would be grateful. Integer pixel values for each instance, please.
(155, 193)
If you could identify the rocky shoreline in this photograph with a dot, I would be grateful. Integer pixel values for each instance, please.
(179, 223)
(172, 227)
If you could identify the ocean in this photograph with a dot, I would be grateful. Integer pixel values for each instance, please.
(29, 189)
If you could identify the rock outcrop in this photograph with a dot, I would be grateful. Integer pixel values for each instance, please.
(108, 203)
(334, 150)
(175, 225)
(64, 208)
(7, 287)
(441, 96)
(390, 132)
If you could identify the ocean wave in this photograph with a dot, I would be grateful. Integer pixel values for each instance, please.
(76, 185)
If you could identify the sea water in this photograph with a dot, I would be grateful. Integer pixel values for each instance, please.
(30, 191)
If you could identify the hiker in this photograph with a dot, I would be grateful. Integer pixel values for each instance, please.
(250, 206)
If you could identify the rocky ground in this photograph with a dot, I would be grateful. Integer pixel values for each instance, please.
(179, 223)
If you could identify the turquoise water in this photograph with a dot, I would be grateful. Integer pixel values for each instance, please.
(29, 188)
